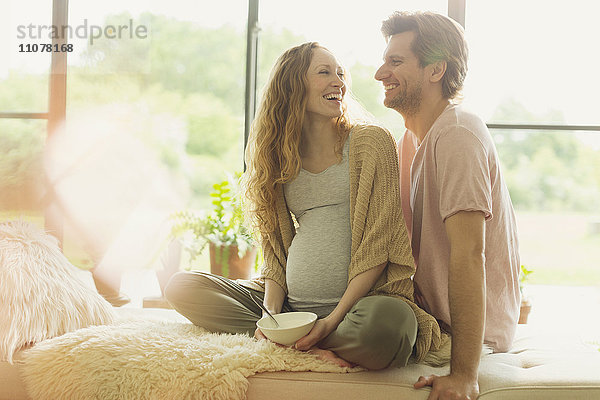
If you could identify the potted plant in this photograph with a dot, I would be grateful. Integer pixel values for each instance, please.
(525, 300)
(232, 248)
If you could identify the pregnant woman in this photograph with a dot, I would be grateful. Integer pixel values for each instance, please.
(323, 191)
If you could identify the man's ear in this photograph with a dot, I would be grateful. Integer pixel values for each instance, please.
(438, 70)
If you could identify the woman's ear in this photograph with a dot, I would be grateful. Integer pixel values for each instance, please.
(438, 70)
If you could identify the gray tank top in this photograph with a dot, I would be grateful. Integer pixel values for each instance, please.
(319, 256)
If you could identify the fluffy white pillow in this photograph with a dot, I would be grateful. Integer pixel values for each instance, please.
(41, 295)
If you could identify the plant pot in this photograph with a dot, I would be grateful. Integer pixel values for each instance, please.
(524, 312)
(170, 261)
(234, 267)
(108, 284)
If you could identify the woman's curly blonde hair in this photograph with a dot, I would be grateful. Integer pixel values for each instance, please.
(272, 155)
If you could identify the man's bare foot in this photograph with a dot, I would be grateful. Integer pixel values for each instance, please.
(330, 356)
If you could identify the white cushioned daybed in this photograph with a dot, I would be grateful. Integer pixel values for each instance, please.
(85, 349)
(539, 366)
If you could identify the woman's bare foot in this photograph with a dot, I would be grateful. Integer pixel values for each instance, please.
(330, 356)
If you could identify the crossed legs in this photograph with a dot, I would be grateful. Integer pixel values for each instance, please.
(378, 332)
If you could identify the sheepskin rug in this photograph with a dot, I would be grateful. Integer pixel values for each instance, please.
(41, 294)
(155, 360)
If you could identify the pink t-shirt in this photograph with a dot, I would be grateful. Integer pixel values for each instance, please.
(456, 168)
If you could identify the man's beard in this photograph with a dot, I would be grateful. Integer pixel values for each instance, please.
(408, 102)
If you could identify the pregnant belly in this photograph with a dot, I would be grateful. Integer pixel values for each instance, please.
(317, 264)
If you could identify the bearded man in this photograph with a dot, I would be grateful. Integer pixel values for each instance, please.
(454, 198)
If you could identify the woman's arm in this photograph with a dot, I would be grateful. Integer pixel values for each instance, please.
(274, 296)
(357, 288)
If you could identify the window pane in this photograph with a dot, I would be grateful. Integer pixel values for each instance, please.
(554, 183)
(180, 85)
(21, 172)
(533, 54)
(155, 109)
(525, 67)
(24, 67)
(352, 33)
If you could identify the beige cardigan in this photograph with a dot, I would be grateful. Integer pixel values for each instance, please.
(378, 229)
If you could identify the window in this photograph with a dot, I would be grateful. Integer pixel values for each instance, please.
(155, 106)
(536, 53)
(24, 73)
(352, 33)
(167, 79)
(24, 86)
(21, 183)
(180, 87)
(527, 67)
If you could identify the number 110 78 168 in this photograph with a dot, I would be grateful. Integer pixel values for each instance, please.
(45, 48)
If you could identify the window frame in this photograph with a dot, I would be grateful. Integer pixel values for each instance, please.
(456, 11)
(57, 91)
(57, 104)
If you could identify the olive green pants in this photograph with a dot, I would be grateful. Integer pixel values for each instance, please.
(378, 332)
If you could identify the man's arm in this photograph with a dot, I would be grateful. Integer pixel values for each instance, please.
(466, 292)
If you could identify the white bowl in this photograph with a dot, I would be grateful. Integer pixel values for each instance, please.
(292, 326)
